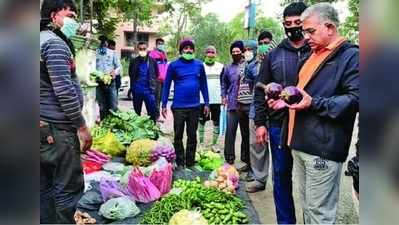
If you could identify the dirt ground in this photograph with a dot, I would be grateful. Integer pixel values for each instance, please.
(263, 201)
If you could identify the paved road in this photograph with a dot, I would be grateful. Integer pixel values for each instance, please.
(263, 201)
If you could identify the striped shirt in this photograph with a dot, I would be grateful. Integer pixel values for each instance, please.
(61, 98)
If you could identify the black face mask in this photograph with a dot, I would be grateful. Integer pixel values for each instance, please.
(294, 33)
(236, 57)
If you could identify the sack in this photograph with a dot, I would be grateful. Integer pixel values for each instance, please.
(114, 167)
(111, 189)
(222, 120)
(161, 176)
(119, 209)
(141, 188)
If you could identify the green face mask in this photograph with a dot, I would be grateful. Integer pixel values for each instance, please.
(187, 56)
(263, 49)
(70, 26)
(209, 61)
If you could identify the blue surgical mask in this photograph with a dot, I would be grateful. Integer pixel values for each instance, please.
(70, 27)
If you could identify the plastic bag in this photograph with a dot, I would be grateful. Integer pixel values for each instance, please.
(161, 176)
(223, 120)
(114, 167)
(111, 189)
(186, 217)
(125, 176)
(90, 167)
(141, 188)
(96, 156)
(119, 209)
(163, 148)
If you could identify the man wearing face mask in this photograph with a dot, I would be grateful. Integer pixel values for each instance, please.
(107, 62)
(281, 66)
(61, 119)
(236, 95)
(265, 44)
(189, 79)
(143, 72)
(213, 70)
(160, 57)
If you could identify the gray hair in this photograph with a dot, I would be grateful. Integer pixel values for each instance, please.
(325, 12)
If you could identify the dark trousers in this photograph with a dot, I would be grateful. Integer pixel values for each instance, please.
(239, 116)
(61, 175)
(214, 114)
(118, 83)
(282, 179)
(158, 93)
(107, 99)
(185, 117)
(149, 100)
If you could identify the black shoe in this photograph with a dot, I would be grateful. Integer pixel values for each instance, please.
(254, 186)
(249, 177)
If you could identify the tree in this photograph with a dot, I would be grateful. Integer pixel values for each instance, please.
(350, 28)
(307, 2)
(208, 30)
(262, 23)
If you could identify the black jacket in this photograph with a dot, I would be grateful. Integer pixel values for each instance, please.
(280, 66)
(325, 129)
(134, 68)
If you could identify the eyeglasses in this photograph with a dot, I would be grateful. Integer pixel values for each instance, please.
(309, 31)
(289, 23)
(210, 52)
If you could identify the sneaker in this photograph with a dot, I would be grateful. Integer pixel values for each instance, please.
(254, 186)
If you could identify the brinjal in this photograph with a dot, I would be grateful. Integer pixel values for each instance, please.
(272, 90)
(291, 95)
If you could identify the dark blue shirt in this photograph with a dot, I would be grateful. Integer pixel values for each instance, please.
(143, 82)
(189, 79)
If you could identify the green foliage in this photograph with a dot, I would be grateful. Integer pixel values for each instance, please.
(307, 2)
(350, 29)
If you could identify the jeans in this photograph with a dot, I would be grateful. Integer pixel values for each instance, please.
(61, 174)
(149, 100)
(188, 117)
(282, 163)
(107, 99)
(319, 181)
(239, 116)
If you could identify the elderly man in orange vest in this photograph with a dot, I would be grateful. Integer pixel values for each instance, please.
(319, 128)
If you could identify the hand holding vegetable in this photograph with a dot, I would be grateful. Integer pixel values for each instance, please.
(276, 104)
(304, 103)
(206, 111)
(85, 137)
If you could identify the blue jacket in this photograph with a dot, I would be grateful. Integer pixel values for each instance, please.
(325, 129)
(189, 79)
(134, 72)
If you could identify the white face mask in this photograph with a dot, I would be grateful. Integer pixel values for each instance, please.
(249, 55)
(143, 53)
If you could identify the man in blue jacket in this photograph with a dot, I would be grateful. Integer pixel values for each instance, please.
(319, 128)
(281, 66)
(189, 78)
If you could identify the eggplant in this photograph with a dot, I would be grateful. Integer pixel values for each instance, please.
(272, 90)
(291, 95)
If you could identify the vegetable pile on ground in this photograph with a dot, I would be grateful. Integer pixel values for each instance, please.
(209, 160)
(127, 127)
(225, 178)
(139, 152)
(216, 206)
(186, 217)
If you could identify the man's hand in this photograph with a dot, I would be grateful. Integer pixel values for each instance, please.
(113, 74)
(224, 101)
(164, 112)
(276, 104)
(85, 137)
(304, 103)
(206, 111)
(261, 135)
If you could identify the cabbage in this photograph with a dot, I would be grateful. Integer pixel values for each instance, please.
(186, 217)
(139, 152)
(108, 144)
